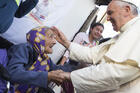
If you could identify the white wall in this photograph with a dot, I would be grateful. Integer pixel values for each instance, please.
(72, 22)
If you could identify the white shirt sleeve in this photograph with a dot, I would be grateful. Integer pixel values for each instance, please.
(103, 77)
(84, 54)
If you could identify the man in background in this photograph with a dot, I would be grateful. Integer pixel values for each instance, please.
(89, 40)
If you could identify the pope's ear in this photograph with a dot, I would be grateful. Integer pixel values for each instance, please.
(127, 9)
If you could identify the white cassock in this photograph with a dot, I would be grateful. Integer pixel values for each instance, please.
(118, 63)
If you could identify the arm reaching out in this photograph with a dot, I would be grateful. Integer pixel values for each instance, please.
(60, 37)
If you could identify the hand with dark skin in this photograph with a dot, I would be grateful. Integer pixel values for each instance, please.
(55, 76)
(58, 76)
(66, 75)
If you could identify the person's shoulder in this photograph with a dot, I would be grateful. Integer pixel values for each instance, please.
(82, 34)
(138, 20)
(22, 47)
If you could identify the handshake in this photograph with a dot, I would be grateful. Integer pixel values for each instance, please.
(58, 76)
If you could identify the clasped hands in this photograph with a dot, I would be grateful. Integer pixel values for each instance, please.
(58, 76)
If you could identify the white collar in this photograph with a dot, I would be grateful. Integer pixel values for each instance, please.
(128, 24)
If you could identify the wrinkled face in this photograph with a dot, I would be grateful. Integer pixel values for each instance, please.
(96, 32)
(49, 41)
(115, 15)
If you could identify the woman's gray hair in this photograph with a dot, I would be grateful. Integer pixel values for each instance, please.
(133, 7)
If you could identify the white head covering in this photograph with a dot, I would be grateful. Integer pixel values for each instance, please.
(135, 2)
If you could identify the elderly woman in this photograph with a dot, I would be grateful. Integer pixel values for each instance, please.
(29, 65)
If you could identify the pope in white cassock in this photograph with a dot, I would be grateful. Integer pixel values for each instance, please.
(118, 60)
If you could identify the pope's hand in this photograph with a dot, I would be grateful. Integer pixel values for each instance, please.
(56, 77)
(66, 75)
(60, 37)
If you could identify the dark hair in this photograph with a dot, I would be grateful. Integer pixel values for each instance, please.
(94, 25)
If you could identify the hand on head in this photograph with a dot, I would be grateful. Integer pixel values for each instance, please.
(60, 37)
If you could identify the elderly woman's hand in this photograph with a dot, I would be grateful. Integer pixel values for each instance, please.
(60, 37)
(56, 76)
(66, 75)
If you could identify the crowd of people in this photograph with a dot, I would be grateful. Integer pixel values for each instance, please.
(112, 65)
